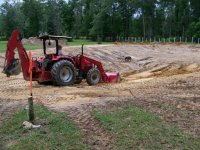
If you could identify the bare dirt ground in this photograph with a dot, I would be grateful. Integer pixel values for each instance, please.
(163, 79)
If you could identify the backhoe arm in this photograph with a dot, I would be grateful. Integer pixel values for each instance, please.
(12, 66)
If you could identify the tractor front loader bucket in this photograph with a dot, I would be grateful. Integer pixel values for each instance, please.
(113, 77)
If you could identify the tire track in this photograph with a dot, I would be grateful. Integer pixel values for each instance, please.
(93, 132)
(8, 107)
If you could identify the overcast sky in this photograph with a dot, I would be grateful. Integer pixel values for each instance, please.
(1, 1)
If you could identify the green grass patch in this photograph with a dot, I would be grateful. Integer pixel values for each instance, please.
(134, 128)
(57, 132)
(32, 46)
(3, 45)
(77, 42)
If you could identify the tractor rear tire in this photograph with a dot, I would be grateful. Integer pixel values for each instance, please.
(93, 76)
(63, 73)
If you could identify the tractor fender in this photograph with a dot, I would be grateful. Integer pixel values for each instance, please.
(64, 58)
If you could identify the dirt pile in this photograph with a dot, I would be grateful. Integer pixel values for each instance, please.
(37, 41)
(163, 79)
(31, 40)
(161, 71)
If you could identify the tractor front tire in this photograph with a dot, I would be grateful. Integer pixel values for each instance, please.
(93, 76)
(63, 73)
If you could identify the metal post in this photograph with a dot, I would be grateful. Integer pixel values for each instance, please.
(31, 110)
(180, 39)
(192, 40)
(174, 40)
(82, 49)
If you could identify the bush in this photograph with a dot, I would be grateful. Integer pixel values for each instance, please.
(3, 38)
(194, 29)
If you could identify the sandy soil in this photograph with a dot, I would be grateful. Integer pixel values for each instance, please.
(163, 79)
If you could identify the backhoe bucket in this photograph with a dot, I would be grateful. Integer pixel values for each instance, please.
(13, 69)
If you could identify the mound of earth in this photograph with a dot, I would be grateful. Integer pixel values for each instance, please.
(36, 41)
(163, 79)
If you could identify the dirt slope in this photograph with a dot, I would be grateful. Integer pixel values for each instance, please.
(163, 79)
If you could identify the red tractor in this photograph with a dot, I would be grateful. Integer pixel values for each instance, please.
(61, 70)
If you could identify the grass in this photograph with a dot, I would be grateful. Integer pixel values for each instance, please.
(136, 129)
(77, 42)
(26, 46)
(32, 46)
(3, 46)
(58, 132)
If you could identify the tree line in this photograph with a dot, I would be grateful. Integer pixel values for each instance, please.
(98, 19)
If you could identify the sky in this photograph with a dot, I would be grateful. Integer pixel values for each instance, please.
(1, 1)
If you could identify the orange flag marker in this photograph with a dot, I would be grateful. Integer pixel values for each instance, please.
(30, 71)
